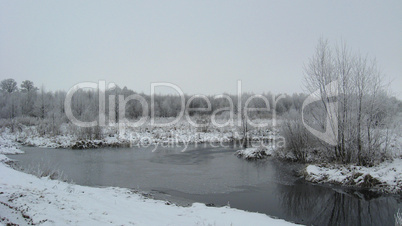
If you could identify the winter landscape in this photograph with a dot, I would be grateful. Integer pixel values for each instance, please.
(200, 113)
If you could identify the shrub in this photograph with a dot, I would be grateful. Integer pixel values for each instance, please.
(298, 140)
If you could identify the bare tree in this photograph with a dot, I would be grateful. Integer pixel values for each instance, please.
(9, 88)
(360, 89)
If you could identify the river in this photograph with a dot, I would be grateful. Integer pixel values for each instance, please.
(215, 176)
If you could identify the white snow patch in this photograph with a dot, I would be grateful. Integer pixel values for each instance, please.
(389, 173)
(7, 145)
(255, 152)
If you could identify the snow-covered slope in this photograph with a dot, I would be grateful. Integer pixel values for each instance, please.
(7, 146)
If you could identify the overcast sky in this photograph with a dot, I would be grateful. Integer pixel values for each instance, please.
(201, 46)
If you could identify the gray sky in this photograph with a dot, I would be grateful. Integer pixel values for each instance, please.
(201, 46)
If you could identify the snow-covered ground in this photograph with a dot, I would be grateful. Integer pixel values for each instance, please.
(7, 146)
(253, 153)
(113, 135)
(386, 176)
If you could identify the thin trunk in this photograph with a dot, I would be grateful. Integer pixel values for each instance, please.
(359, 142)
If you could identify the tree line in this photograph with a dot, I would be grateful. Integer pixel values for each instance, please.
(27, 100)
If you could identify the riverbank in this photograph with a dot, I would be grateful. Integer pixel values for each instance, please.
(70, 136)
(255, 153)
(385, 177)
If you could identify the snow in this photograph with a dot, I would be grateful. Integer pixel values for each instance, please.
(255, 152)
(388, 173)
(29, 199)
(114, 135)
(7, 146)
(395, 145)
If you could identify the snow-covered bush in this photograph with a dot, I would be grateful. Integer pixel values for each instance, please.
(49, 127)
(90, 133)
(7, 145)
(386, 176)
(298, 140)
(254, 153)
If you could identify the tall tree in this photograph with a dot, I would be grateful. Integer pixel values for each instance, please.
(9, 85)
(28, 86)
(28, 96)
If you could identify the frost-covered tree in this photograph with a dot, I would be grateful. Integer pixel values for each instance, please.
(28, 86)
(28, 96)
(9, 89)
(361, 98)
(9, 85)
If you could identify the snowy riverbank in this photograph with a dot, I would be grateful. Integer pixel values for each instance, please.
(386, 177)
(183, 132)
(7, 145)
(254, 153)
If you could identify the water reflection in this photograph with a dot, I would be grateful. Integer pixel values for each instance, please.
(323, 206)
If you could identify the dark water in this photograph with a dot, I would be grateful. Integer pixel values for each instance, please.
(215, 175)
